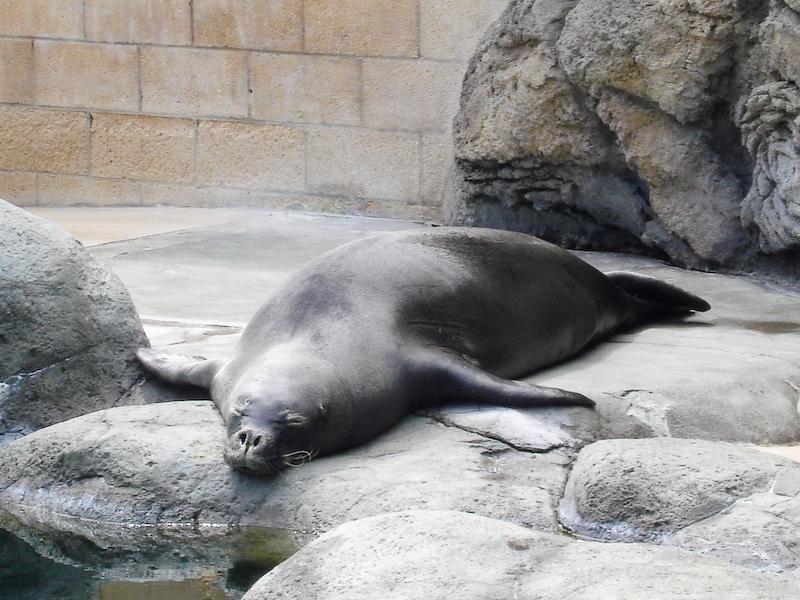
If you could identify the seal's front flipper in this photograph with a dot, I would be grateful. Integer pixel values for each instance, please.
(653, 297)
(181, 370)
(458, 380)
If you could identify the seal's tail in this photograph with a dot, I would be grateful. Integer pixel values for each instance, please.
(653, 297)
(181, 370)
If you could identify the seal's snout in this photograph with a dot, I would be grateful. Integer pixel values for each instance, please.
(248, 438)
(252, 450)
(253, 441)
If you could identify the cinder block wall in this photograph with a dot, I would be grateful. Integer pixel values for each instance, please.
(321, 105)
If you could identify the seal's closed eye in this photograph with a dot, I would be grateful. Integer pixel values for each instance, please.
(292, 419)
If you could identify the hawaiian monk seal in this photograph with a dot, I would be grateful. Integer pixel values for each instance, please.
(379, 327)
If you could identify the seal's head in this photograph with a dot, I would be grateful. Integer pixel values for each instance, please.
(277, 420)
(267, 437)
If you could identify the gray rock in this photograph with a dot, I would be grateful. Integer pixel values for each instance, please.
(440, 555)
(771, 131)
(640, 490)
(727, 501)
(162, 464)
(68, 328)
(643, 50)
(660, 127)
(759, 532)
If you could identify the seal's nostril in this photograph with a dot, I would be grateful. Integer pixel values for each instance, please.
(243, 438)
(256, 441)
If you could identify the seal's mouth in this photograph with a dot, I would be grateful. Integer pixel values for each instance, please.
(295, 459)
(244, 459)
(258, 463)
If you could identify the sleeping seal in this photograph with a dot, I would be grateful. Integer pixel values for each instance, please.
(379, 327)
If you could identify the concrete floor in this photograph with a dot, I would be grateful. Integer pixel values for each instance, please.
(94, 226)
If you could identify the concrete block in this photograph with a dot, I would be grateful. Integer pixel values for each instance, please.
(364, 163)
(255, 24)
(18, 188)
(305, 203)
(250, 155)
(362, 27)
(154, 194)
(305, 89)
(86, 75)
(399, 210)
(190, 82)
(64, 190)
(451, 29)
(41, 18)
(16, 71)
(437, 151)
(407, 94)
(139, 147)
(146, 21)
(35, 139)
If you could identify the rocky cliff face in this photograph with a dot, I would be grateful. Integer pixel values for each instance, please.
(663, 127)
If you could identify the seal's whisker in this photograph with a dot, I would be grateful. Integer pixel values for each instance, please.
(295, 459)
(297, 454)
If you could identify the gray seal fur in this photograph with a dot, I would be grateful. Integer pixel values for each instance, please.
(379, 327)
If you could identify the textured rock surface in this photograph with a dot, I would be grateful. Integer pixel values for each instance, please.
(759, 532)
(771, 130)
(663, 127)
(162, 464)
(437, 555)
(68, 328)
(728, 501)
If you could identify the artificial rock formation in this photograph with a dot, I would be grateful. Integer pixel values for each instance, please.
(68, 328)
(771, 130)
(724, 500)
(663, 127)
(440, 554)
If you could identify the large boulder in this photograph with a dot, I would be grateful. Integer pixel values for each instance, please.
(161, 464)
(438, 555)
(68, 328)
(669, 128)
(728, 501)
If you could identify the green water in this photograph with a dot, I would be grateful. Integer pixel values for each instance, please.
(150, 564)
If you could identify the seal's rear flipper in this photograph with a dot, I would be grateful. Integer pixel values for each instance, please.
(459, 380)
(181, 370)
(653, 296)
